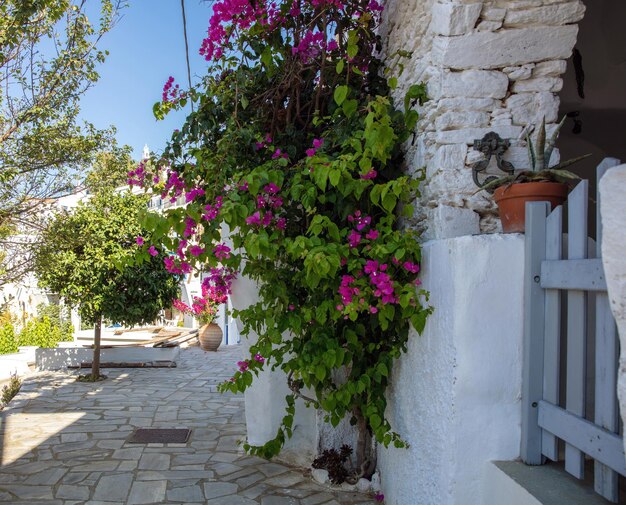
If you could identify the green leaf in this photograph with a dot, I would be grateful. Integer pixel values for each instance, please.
(244, 102)
(349, 107)
(340, 94)
(393, 82)
(375, 421)
(340, 65)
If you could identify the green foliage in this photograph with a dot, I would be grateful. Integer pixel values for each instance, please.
(48, 59)
(10, 390)
(325, 138)
(41, 332)
(90, 258)
(8, 342)
(110, 169)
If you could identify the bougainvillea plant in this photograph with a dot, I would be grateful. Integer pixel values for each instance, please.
(295, 147)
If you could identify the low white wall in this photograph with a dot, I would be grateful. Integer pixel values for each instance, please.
(57, 358)
(455, 395)
(613, 208)
(17, 362)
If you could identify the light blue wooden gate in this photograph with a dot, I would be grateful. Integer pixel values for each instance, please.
(556, 284)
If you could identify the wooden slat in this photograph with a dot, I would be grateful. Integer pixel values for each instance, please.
(606, 412)
(552, 333)
(587, 274)
(576, 323)
(534, 298)
(602, 445)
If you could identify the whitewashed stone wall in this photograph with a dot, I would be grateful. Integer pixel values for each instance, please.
(491, 65)
(613, 207)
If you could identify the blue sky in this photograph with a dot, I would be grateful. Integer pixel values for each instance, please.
(146, 47)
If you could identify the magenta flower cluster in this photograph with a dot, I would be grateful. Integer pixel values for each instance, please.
(137, 177)
(268, 201)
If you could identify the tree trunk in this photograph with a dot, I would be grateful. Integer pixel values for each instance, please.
(365, 455)
(95, 364)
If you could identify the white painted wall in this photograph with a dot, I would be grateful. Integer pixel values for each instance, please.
(62, 357)
(613, 208)
(455, 396)
(265, 399)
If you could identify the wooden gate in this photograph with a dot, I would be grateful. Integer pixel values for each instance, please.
(561, 290)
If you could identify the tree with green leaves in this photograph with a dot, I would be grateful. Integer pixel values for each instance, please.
(91, 257)
(110, 169)
(48, 58)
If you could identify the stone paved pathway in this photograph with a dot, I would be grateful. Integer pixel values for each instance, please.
(63, 442)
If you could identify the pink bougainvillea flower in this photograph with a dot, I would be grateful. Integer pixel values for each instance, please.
(221, 251)
(370, 175)
(339, 307)
(254, 219)
(185, 267)
(271, 188)
(379, 497)
(139, 240)
(311, 152)
(332, 45)
(371, 235)
(266, 220)
(243, 366)
(354, 239)
(291, 307)
(411, 267)
(281, 223)
(195, 250)
(318, 143)
(153, 251)
(190, 196)
(258, 358)
(373, 309)
(371, 266)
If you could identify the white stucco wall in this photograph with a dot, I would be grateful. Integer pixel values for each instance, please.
(265, 399)
(613, 208)
(455, 395)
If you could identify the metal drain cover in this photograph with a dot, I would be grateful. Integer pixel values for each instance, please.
(159, 436)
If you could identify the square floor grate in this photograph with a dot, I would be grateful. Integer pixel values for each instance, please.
(159, 436)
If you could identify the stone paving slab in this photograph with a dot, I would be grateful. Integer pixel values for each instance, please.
(64, 443)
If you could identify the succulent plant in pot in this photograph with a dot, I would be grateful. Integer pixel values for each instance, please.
(540, 183)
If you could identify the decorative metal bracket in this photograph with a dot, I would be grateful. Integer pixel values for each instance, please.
(491, 145)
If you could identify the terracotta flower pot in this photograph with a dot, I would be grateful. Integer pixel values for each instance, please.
(512, 200)
(210, 337)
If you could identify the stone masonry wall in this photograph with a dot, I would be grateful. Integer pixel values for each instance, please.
(491, 65)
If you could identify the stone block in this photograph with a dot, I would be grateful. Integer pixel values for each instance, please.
(464, 103)
(448, 157)
(538, 84)
(560, 14)
(493, 13)
(450, 222)
(552, 68)
(519, 73)
(474, 84)
(468, 135)
(454, 19)
(505, 48)
(459, 119)
(489, 26)
(531, 107)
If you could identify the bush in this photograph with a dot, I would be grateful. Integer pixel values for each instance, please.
(10, 390)
(8, 342)
(59, 317)
(42, 333)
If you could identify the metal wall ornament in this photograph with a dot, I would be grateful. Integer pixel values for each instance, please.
(491, 145)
